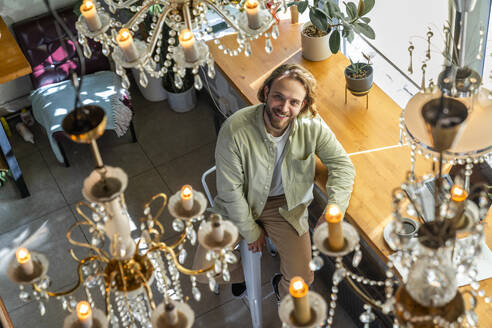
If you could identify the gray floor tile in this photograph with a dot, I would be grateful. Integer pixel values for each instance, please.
(46, 235)
(231, 314)
(188, 169)
(166, 135)
(45, 194)
(128, 156)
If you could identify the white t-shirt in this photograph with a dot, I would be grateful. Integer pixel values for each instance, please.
(276, 188)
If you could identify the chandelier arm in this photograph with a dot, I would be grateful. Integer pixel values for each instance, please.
(219, 11)
(71, 251)
(187, 15)
(133, 20)
(120, 268)
(148, 291)
(160, 210)
(77, 285)
(99, 251)
(375, 304)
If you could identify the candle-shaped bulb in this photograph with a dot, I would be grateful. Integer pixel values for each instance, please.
(217, 227)
(252, 8)
(24, 259)
(334, 216)
(299, 291)
(126, 44)
(84, 314)
(458, 193)
(91, 17)
(187, 197)
(187, 42)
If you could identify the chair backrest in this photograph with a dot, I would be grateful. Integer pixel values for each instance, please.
(205, 186)
(39, 41)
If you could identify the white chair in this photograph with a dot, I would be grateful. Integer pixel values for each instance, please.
(251, 263)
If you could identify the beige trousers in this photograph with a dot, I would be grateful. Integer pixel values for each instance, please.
(294, 250)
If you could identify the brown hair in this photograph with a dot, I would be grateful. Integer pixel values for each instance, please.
(298, 73)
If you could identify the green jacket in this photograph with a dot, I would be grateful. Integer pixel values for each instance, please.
(245, 159)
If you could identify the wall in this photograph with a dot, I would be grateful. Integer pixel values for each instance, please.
(13, 11)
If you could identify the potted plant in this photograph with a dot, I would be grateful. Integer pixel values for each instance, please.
(180, 99)
(321, 36)
(359, 77)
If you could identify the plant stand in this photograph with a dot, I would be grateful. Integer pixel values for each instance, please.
(358, 94)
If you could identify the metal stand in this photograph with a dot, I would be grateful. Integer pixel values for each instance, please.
(358, 94)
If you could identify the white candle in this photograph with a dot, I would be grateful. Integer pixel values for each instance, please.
(334, 218)
(187, 197)
(171, 314)
(217, 228)
(89, 12)
(187, 42)
(24, 259)
(252, 8)
(126, 44)
(299, 291)
(84, 314)
(118, 224)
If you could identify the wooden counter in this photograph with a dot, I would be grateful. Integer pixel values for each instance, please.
(13, 64)
(358, 129)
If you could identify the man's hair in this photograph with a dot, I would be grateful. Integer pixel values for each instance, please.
(298, 73)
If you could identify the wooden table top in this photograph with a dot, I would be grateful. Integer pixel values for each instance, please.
(13, 64)
(361, 131)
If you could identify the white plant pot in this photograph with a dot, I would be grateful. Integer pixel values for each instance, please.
(154, 90)
(182, 102)
(314, 48)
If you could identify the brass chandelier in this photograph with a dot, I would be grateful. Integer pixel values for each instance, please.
(184, 47)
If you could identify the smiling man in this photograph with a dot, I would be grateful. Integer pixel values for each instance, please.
(265, 158)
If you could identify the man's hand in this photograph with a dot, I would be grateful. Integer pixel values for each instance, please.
(257, 246)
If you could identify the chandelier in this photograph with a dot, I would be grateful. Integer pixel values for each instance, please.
(437, 236)
(123, 273)
(161, 54)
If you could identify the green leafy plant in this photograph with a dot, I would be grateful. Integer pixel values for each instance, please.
(327, 17)
(358, 70)
(4, 174)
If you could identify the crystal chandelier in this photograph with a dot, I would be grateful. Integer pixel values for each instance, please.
(123, 273)
(437, 237)
(184, 18)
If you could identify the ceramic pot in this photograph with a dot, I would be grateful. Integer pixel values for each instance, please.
(154, 90)
(314, 48)
(359, 87)
(182, 102)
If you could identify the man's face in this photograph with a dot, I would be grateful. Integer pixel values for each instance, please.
(284, 101)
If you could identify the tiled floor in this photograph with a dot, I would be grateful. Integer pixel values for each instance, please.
(172, 149)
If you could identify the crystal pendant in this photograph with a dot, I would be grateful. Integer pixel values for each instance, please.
(247, 50)
(178, 82)
(367, 316)
(226, 275)
(211, 69)
(212, 284)
(44, 283)
(42, 308)
(143, 79)
(182, 256)
(87, 51)
(95, 241)
(218, 266)
(105, 50)
(125, 83)
(64, 303)
(275, 31)
(191, 234)
(198, 82)
(268, 46)
(230, 258)
(25, 296)
(357, 258)
(316, 263)
(472, 318)
(178, 225)
(338, 276)
(197, 295)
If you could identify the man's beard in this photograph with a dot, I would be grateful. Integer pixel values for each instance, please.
(272, 118)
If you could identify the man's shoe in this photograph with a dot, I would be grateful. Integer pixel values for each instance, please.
(238, 290)
(275, 281)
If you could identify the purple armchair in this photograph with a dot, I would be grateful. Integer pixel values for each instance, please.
(51, 62)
